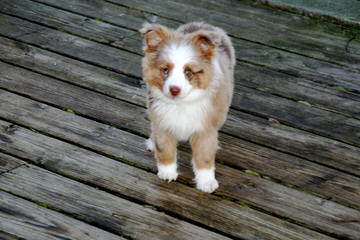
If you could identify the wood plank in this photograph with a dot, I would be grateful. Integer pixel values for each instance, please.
(30, 221)
(235, 152)
(278, 136)
(295, 141)
(19, 53)
(287, 86)
(65, 21)
(77, 72)
(298, 89)
(351, 220)
(288, 112)
(316, 121)
(71, 45)
(345, 11)
(246, 51)
(262, 193)
(92, 205)
(135, 183)
(9, 164)
(8, 236)
(275, 28)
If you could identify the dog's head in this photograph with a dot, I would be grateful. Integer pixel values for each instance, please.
(179, 66)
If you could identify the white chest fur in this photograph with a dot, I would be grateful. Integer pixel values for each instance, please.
(182, 119)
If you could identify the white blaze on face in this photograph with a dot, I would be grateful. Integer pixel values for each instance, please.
(186, 113)
(179, 56)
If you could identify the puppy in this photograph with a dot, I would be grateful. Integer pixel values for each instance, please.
(189, 76)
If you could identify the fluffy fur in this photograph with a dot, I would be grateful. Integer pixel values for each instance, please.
(189, 77)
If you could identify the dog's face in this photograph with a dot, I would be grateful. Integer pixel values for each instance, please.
(177, 65)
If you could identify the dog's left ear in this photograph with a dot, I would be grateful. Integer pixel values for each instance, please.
(154, 35)
(206, 42)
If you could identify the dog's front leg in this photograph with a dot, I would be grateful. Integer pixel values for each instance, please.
(165, 153)
(204, 146)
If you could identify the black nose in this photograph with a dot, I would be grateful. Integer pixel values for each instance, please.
(174, 90)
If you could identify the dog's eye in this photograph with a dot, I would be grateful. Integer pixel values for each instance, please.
(188, 74)
(165, 71)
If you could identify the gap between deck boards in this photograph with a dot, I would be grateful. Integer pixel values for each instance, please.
(349, 125)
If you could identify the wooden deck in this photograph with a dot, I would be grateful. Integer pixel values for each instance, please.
(72, 125)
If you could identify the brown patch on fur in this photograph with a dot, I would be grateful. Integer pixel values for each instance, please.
(204, 45)
(153, 70)
(153, 77)
(165, 147)
(154, 35)
(201, 74)
(204, 147)
(162, 67)
(224, 43)
(157, 147)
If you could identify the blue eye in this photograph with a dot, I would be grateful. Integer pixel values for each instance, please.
(165, 71)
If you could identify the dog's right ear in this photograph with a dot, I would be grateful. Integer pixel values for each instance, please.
(154, 35)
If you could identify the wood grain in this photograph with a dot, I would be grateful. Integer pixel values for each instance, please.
(297, 65)
(317, 120)
(71, 45)
(236, 184)
(135, 183)
(30, 221)
(98, 207)
(10, 162)
(267, 26)
(83, 117)
(128, 116)
(246, 75)
(235, 152)
(8, 236)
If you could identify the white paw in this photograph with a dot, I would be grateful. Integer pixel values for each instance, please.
(205, 180)
(167, 172)
(150, 146)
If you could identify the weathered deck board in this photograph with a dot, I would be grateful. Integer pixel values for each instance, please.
(49, 38)
(253, 189)
(66, 97)
(305, 174)
(346, 11)
(9, 164)
(245, 125)
(247, 51)
(278, 29)
(275, 135)
(92, 205)
(335, 184)
(314, 120)
(8, 236)
(221, 214)
(298, 89)
(49, 63)
(286, 170)
(307, 36)
(279, 84)
(321, 124)
(27, 220)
